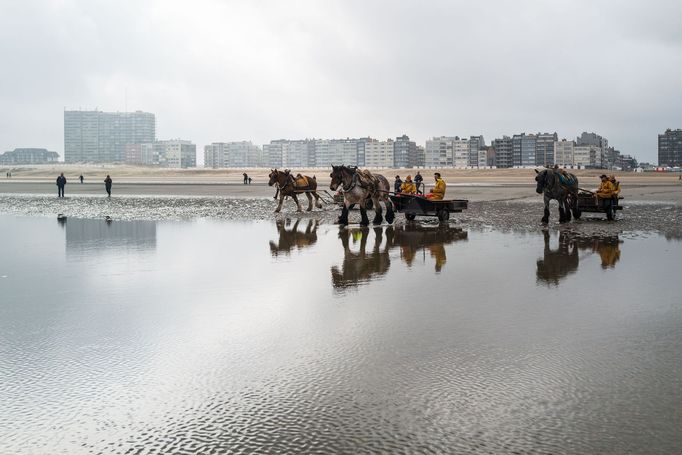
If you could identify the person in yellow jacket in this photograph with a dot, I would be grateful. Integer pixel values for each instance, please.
(408, 186)
(437, 192)
(604, 195)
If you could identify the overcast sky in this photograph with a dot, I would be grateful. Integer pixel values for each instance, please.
(215, 71)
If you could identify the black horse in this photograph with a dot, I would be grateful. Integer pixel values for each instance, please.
(562, 187)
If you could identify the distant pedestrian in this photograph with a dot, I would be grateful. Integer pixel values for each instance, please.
(61, 183)
(246, 178)
(81, 178)
(249, 180)
(397, 184)
(107, 185)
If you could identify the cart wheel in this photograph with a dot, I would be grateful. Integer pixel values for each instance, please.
(410, 216)
(444, 215)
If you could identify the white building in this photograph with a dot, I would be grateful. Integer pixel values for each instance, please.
(564, 152)
(336, 152)
(176, 153)
(379, 154)
(232, 154)
(587, 156)
(461, 152)
(438, 152)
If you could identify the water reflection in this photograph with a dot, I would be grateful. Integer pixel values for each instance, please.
(91, 235)
(362, 264)
(564, 260)
(294, 236)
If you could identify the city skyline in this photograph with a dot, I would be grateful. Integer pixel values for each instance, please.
(338, 69)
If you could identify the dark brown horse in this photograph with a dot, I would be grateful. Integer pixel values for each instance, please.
(359, 186)
(288, 185)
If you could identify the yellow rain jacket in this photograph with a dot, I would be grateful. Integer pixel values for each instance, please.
(438, 191)
(606, 190)
(408, 187)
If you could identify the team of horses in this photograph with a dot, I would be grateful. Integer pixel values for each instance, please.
(360, 187)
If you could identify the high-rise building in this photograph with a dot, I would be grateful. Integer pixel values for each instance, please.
(405, 152)
(337, 152)
(587, 156)
(670, 148)
(101, 137)
(544, 148)
(476, 144)
(523, 149)
(461, 152)
(503, 152)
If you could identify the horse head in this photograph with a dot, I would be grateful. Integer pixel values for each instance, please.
(541, 179)
(272, 176)
(336, 176)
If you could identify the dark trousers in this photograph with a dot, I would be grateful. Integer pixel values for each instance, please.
(60, 191)
(108, 188)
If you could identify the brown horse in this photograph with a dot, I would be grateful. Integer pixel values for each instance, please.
(288, 185)
(359, 186)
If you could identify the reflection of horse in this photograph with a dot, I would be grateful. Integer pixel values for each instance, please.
(288, 185)
(358, 186)
(363, 266)
(290, 237)
(562, 187)
(559, 263)
(556, 264)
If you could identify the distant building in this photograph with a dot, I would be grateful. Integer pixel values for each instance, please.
(438, 151)
(597, 141)
(523, 149)
(132, 154)
(339, 151)
(379, 154)
(476, 144)
(29, 156)
(405, 152)
(461, 152)
(504, 157)
(587, 156)
(627, 162)
(101, 137)
(544, 148)
(563, 153)
(176, 153)
(670, 148)
(234, 154)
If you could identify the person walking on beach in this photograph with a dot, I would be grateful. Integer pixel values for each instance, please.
(107, 185)
(246, 178)
(61, 182)
(397, 183)
(418, 181)
(249, 180)
(81, 178)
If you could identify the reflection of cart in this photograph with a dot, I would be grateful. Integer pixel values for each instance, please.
(412, 206)
(587, 203)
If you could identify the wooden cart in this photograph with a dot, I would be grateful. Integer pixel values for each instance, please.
(412, 206)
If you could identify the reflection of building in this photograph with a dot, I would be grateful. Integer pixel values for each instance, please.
(558, 263)
(98, 235)
(361, 265)
(291, 237)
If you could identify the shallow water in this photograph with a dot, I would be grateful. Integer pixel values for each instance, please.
(213, 336)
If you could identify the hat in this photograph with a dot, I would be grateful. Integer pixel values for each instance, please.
(603, 176)
(409, 177)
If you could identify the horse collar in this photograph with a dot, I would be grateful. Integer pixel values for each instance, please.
(353, 182)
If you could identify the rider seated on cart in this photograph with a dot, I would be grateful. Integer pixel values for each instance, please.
(438, 191)
(408, 186)
(605, 195)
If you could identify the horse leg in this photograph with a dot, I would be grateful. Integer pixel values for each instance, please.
(343, 219)
(378, 218)
(310, 202)
(364, 221)
(390, 215)
(567, 210)
(318, 204)
(545, 218)
(281, 200)
(298, 203)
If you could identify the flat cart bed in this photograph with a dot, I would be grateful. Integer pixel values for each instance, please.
(412, 206)
(588, 204)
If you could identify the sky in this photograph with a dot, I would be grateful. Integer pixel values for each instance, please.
(219, 71)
